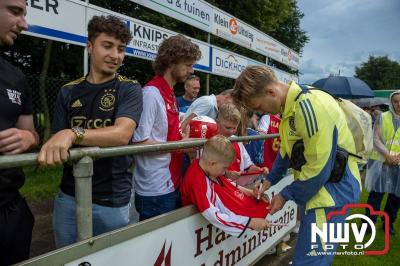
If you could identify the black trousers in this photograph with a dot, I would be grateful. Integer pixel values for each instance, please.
(391, 207)
(16, 223)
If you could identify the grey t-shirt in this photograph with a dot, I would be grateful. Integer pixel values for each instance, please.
(203, 106)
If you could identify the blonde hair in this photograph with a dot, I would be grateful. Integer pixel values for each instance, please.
(218, 148)
(227, 92)
(252, 82)
(229, 112)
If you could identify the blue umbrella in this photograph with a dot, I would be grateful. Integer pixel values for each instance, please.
(370, 102)
(345, 87)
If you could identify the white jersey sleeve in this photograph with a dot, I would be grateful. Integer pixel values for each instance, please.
(246, 161)
(152, 108)
(203, 106)
(222, 217)
(263, 124)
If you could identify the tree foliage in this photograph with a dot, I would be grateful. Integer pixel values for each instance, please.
(380, 73)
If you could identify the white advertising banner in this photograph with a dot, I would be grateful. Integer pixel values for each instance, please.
(147, 39)
(52, 19)
(58, 20)
(202, 15)
(270, 47)
(229, 64)
(192, 12)
(285, 77)
(194, 241)
(232, 29)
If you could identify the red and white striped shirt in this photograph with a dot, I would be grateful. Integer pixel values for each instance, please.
(221, 203)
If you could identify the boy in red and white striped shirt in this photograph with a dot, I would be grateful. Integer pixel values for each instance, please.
(228, 207)
(228, 121)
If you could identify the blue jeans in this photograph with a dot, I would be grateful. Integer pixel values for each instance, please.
(150, 206)
(105, 219)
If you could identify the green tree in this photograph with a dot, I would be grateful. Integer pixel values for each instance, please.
(380, 73)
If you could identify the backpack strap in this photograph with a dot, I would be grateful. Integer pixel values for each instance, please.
(305, 89)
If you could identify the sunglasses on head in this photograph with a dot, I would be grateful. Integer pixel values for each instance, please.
(192, 77)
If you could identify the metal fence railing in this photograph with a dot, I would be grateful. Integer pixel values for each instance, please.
(82, 159)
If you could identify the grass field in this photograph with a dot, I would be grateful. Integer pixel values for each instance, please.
(42, 184)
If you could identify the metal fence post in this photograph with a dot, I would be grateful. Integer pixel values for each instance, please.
(83, 172)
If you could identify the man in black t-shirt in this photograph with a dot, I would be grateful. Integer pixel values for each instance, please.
(102, 109)
(17, 135)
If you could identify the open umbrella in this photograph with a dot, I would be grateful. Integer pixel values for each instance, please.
(370, 102)
(345, 87)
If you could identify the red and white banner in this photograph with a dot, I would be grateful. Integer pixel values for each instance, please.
(194, 241)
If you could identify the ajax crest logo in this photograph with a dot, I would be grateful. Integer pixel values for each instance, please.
(107, 100)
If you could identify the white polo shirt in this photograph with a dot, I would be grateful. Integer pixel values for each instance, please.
(205, 105)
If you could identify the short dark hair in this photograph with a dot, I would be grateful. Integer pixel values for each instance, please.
(192, 77)
(174, 50)
(110, 25)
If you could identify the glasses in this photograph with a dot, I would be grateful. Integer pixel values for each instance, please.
(192, 77)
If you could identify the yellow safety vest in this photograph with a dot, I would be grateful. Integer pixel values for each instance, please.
(390, 138)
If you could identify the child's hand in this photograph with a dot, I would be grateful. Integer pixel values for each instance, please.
(186, 133)
(258, 224)
(266, 170)
(259, 196)
(255, 168)
(261, 187)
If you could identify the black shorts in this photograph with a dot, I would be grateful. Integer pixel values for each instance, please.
(16, 224)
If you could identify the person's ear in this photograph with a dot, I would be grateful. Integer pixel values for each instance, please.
(270, 90)
(89, 47)
(212, 163)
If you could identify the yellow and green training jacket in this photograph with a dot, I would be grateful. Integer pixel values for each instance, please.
(316, 118)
